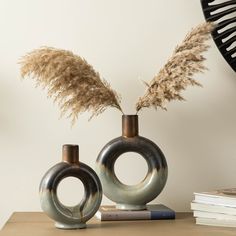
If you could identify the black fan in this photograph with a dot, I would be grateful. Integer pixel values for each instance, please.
(224, 35)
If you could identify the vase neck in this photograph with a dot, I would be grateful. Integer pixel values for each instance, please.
(70, 153)
(129, 125)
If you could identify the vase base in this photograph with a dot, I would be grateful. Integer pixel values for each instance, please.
(70, 226)
(130, 207)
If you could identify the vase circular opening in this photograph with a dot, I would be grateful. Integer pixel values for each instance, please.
(133, 197)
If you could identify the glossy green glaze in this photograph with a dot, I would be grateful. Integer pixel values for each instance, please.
(70, 217)
(137, 196)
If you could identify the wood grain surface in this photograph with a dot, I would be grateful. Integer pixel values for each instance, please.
(38, 224)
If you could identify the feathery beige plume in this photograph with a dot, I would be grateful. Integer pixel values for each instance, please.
(177, 73)
(73, 83)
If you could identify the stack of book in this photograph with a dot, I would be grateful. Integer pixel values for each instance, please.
(153, 212)
(216, 208)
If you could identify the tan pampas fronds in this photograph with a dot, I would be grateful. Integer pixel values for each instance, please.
(177, 73)
(73, 83)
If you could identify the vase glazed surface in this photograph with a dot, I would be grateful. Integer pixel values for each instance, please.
(67, 217)
(132, 197)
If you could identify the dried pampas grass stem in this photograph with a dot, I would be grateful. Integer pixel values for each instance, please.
(73, 83)
(178, 72)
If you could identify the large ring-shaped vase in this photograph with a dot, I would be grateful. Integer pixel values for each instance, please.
(70, 217)
(133, 197)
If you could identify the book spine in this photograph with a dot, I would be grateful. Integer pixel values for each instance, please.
(137, 216)
(162, 215)
(213, 208)
(125, 216)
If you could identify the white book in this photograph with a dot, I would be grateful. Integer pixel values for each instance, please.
(213, 215)
(216, 222)
(195, 206)
(223, 197)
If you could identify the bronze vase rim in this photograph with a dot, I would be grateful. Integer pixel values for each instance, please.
(130, 126)
(129, 115)
(70, 153)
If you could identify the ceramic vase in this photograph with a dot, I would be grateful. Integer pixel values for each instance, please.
(133, 197)
(70, 217)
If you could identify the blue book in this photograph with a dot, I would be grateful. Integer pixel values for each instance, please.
(153, 212)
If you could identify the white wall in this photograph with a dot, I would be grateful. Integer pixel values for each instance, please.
(126, 41)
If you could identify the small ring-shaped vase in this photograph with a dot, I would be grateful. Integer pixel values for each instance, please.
(133, 197)
(70, 217)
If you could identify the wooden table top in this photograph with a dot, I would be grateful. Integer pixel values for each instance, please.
(38, 224)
